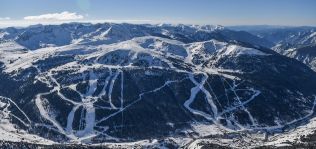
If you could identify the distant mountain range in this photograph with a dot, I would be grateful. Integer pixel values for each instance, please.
(294, 42)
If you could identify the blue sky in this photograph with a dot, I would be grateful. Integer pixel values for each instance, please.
(223, 12)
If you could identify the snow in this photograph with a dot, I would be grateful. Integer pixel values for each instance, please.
(70, 119)
(8, 99)
(211, 102)
(92, 83)
(282, 145)
(8, 132)
(207, 129)
(90, 122)
(47, 116)
(207, 94)
(140, 97)
(107, 80)
(154, 47)
(295, 134)
(10, 46)
(116, 55)
(236, 50)
(2, 34)
(194, 91)
(166, 46)
(312, 35)
(111, 89)
(154, 50)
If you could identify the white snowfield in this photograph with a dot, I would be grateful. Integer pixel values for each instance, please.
(151, 49)
(116, 56)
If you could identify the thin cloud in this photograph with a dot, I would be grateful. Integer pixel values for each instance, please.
(5, 18)
(63, 16)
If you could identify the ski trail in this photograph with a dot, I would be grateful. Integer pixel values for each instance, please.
(44, 113)
(209, 98)
(92, 83)
(122, 99)
(90, 121)
(122, 89)
(58, 87)
(111, 89)
(200, 86)
(70, 119)
(257, 92)
(239, 101)
(106, 82)
(87, 104)
(66, 99)
(20, 120)
(310, 113)
(140, 96)
(215, 96)
(81, 119)
(194, 91)
(28, 119)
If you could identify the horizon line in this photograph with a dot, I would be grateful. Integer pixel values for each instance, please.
(25, 24)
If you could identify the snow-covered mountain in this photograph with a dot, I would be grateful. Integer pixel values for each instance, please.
(306, 54)
(294, 42)
(294, 36)
(298, 43)
(118, 83)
